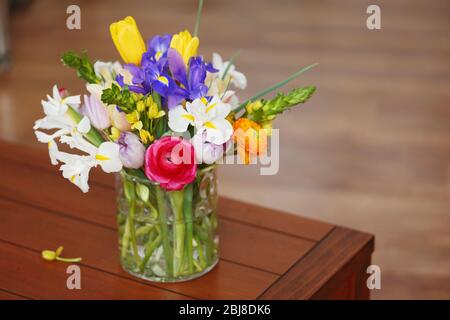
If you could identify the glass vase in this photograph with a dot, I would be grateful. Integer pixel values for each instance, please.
(168, 236)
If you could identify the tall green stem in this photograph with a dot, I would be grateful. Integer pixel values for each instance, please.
(162, 208)
(125, 240)
(197, 19)
(274, 87)
(176, 199)
(151, 246)
(187, 208)
(132, 204)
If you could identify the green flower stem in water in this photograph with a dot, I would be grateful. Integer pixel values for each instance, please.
(162, 208)
(130, 231)
(125, 240)
(151, 246)
(143, 230)
(176, 200)
(187, 208)
(201, 256)
(209, 245)
(132, 204)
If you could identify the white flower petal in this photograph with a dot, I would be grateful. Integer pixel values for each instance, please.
(217, 61)
(84, 125)
(53, 152)
(238, 79)
(218, 131)
(231, 98)
(74, 101)
(56, 94)
(179, 119)
(107, 157)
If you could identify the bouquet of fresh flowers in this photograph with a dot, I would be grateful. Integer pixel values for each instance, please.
(162, 121)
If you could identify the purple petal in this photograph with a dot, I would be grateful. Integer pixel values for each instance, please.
(177, 67)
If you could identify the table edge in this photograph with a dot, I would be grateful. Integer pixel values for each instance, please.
(346, 244)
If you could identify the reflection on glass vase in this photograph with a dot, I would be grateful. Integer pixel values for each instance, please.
(168, 236)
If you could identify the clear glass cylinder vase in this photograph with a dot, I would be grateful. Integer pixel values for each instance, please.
(168, 236)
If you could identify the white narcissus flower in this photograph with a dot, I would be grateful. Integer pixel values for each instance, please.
(57, 105)
(69, 130)
(107, 71)
(76, 167)
(64, 129)
(107, 156)
(56, 117)
(237, 78)
(204, 116)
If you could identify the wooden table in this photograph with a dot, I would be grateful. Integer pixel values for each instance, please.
(265, 254)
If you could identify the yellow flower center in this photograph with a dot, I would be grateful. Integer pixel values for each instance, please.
(164, 80)
(101, 157)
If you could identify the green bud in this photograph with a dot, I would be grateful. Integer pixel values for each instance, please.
(143, 192)
(48, 255)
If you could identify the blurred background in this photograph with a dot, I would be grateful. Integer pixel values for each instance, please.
(371, 150)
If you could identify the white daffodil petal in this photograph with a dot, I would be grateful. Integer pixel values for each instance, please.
(56, 94)
(74, 101)
(53, 152)
(218, 131)
(239, 80)
(84, 125)
(179, 119)
(196, 107)
(77, 172)
(217, 61)
(221, 110)
(231, 98)
(107, 157)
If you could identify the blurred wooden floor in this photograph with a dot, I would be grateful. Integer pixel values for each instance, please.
(370, 151)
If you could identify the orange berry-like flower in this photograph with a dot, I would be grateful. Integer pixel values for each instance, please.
(250, 138)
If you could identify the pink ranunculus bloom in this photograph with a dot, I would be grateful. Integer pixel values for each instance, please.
(170, 162)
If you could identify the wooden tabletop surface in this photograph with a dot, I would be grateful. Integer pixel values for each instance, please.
(264, 253)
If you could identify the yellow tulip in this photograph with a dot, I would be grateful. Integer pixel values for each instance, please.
(185, 44)
(128, 40)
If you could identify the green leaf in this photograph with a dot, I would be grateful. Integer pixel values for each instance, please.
(85, 69)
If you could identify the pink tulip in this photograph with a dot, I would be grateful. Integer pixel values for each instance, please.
(170, 162)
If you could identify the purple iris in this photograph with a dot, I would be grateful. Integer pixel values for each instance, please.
(151, 75)
(192, 83)
(157, 47)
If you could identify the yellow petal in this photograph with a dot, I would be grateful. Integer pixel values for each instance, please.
(128, 40)
(101, 157)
